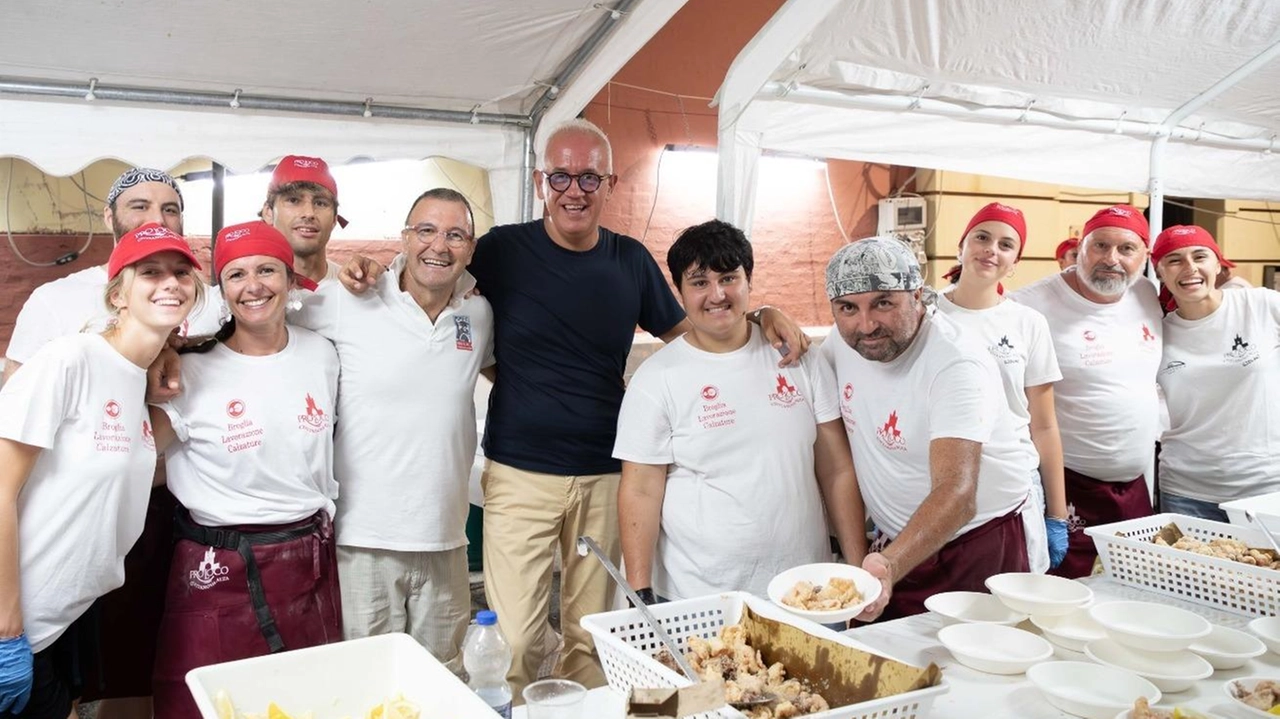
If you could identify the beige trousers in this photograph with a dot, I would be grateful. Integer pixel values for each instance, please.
(424, 594)
(528, 517)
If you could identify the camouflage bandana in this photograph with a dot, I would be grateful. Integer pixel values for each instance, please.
(137, 176)
(876, 264)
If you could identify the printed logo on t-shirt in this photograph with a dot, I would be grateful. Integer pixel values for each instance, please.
(713, 413)
(111, 435)
(209, 573)
(235, 408)
(148, 437)
(785, 394)
(1096, 352)
(462, 332)
(1004, 351)
(1147, 336)
(314, 420)
(1173, 366)
(846, 407)
(1241, 353)
(890, 436)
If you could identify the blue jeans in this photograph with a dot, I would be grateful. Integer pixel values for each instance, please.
(1191, 507)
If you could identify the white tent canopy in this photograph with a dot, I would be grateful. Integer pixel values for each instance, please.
(1065, 91)
(467, 77)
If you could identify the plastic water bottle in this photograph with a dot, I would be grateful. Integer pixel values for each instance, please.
(487, 657)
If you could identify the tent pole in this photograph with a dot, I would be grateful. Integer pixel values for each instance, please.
(1155, 212)
(526, 175)
(218, 214)
(222, 100)
(1156, 187)
(611, 16)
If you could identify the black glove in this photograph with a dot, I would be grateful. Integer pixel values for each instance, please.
(646, 595)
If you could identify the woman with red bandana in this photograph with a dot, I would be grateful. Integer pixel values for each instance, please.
(1018, 338)
(1220, 355)
(249, 452)
(76, 464)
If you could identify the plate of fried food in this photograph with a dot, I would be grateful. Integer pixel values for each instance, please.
(1143, 710)
(825, 593)
(1255, 696)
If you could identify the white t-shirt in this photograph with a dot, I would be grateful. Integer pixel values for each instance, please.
(85, 500)
(1108, 414)
(75, 304)
(1221, 379)
(1018, 339)
(742, 502)
(407, 439)
(255, 434)
(945, 385)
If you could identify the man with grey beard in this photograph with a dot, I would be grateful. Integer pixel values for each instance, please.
(1105, 326)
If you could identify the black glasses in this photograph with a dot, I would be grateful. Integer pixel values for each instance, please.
(587, 181)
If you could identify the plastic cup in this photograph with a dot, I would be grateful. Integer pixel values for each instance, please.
(554, 699)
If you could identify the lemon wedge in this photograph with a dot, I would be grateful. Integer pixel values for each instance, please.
(222, 704)
(275, 712)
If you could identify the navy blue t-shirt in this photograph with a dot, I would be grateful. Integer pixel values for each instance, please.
(563, 326)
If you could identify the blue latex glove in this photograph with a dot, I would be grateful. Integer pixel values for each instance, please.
(15, 673)
(1057, 531)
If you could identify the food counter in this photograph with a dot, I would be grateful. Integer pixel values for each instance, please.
(975, 695)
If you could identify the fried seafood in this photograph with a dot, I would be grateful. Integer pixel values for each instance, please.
(746, 678)
(837, 593)
(1224, 548)
(1264, 697)
(1142, 710)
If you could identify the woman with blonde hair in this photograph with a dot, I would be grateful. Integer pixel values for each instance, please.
(1018, 338)
(77, 456)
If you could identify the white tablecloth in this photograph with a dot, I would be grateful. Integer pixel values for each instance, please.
(975, 695)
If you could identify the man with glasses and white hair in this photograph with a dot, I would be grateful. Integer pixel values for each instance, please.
(567, 295)
(1105, 325)
(410, 349)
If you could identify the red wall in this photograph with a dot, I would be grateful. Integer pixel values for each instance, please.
(794, 232)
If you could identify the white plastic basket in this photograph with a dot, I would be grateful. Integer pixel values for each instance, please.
(1129, 556)
(627, 645)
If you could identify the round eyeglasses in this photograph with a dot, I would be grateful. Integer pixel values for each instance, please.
(587, 181)
(427, 234)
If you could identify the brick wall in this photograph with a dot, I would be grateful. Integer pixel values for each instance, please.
(18, 279)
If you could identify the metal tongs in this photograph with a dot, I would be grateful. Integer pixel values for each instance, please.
(587, 544)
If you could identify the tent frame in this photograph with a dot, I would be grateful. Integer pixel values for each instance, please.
(748, 80)
(543, 109)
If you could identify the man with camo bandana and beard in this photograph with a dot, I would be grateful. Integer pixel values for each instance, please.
(938, 459)
(1105, 325)
(116, 637)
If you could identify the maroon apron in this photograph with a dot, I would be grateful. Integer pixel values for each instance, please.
(239, 592)
(1091, 503)
(963, 564)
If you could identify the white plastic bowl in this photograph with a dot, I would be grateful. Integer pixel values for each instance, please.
(971, 607)
(1150, 626)
(1170, 671)
(1248, 683)
(1227, 648)
(994, 649)
(867, 585)
(1070, 631)
(1268, 630)
(1090, 690)
(1039, 594)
